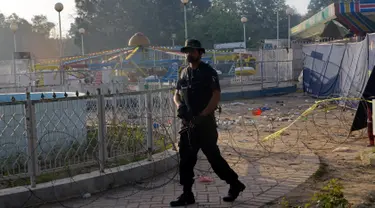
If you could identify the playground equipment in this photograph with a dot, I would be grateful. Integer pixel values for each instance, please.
(245, 67)
(137, 62)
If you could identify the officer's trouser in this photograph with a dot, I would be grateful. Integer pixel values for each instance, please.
(202, 137)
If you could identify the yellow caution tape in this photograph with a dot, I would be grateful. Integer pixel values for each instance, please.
(308, 112)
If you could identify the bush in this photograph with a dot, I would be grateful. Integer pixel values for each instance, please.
(331, 196)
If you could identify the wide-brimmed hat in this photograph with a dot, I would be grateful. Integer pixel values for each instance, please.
(192, 44)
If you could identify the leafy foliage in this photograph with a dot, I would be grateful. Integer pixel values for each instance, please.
(331, 196)
(110, 24)
(31, 36)
(317, 5)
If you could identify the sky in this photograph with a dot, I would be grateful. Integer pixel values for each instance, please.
(28, 8)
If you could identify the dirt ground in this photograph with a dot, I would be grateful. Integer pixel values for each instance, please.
(325, 131)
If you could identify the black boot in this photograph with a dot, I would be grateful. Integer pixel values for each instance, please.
(187, 198)
(234, 191)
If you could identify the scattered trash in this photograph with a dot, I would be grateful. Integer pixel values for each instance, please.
(243, 141)
(265, 109)
(237, 103)
(270, 126)
(86, 195)
(257, 112)
(283, 119)
(280, 103)
(341, 149)
(250, 121)
(205, 179)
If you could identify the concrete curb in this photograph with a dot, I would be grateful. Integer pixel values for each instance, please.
(229, 96)
(93, 182)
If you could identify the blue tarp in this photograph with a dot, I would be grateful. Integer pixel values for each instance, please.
(335, 70)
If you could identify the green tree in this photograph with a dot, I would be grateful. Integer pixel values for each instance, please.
(40, 24)
(216, 26)
(201, 5)
(110, 24)
(317, 5)
(39, 44)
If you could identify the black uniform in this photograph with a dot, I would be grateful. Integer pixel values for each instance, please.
(196, 87)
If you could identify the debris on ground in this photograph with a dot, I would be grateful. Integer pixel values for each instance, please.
(237, 103)
(205, 179)
(341, 149)
(86, 195)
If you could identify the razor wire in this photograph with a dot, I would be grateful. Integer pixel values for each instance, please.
(67, 137)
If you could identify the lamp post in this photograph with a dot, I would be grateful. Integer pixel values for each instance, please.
(59, 7)
(82, 32)
(174, 36)
(289, 12)
(277, 28)
(244, 20)
(14, 28)
(185, 2)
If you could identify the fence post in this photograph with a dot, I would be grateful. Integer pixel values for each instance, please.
(149, 125)
(114, 106)
(278, 67)
(101, 131)
(174, 118)
(161, 103)
(31, 140)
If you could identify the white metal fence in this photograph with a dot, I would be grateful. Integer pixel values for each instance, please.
(46, 135)
(272, 68)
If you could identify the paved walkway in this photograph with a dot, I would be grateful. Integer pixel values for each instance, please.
(269, 172)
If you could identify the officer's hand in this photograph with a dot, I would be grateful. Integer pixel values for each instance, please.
(203, 113)
(182, 112)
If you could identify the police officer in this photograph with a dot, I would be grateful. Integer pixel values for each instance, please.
(197, 97)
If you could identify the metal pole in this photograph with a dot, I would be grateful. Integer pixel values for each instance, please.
(278, 29)
(82, 45)
(14, 41)
(174, 118)
(261, 68)
(32, 140)
(14, 59)
(161, 97)
(101, 131)
(114, 103)
(288, 31)
(149, 125)
(61, 51)
(277, 47)
(61, 43)
(186, 31)
(244, 36)
(241, 65)
(214, 57)
(154, 58)
(173, 42)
